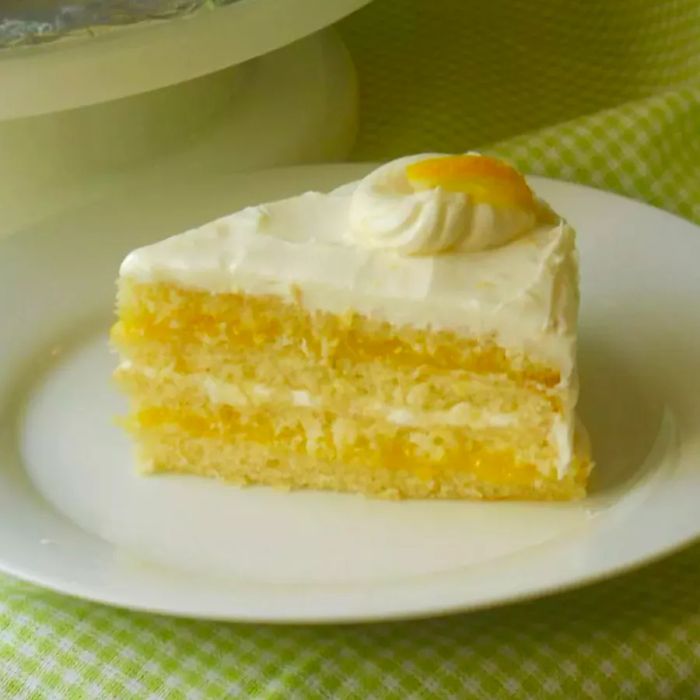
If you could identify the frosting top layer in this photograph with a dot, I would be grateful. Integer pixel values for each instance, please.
(504, 270)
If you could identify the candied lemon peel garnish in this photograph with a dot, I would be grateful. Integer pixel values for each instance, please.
(485, 179)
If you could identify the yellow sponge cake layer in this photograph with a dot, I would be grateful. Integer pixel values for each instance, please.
(186, 321)
(242, 463)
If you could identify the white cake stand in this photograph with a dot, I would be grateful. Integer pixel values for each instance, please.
(238, 84)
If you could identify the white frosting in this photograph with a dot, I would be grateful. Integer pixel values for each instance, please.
(562, 437)
(520, 286)
(386, 211)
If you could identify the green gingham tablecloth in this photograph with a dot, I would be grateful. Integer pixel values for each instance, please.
(603, 92)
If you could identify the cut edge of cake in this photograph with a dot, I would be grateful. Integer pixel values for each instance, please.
(240, 363)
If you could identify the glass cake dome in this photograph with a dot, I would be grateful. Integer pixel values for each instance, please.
(58, 54)
(41, 20)
(95, 88)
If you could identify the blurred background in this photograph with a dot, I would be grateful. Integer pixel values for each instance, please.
(606, 94)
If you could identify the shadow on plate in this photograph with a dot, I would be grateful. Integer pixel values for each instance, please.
(624, 415)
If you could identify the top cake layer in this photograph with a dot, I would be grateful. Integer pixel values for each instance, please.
(424, 241)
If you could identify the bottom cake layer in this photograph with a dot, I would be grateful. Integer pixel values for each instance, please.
(163, 450)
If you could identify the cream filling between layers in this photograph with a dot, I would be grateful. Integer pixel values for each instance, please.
(460, 415)
(220, 392)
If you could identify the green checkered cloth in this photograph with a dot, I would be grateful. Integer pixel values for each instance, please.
(601, 92)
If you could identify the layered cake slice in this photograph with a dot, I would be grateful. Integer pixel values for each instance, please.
(409, 335)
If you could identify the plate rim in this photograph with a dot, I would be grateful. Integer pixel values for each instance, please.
(425, 612)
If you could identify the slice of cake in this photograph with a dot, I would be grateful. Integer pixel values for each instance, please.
(409, 335)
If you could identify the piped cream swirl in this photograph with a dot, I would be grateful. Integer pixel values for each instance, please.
(387, 211)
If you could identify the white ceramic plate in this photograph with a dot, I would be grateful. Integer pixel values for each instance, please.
(76, 518)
